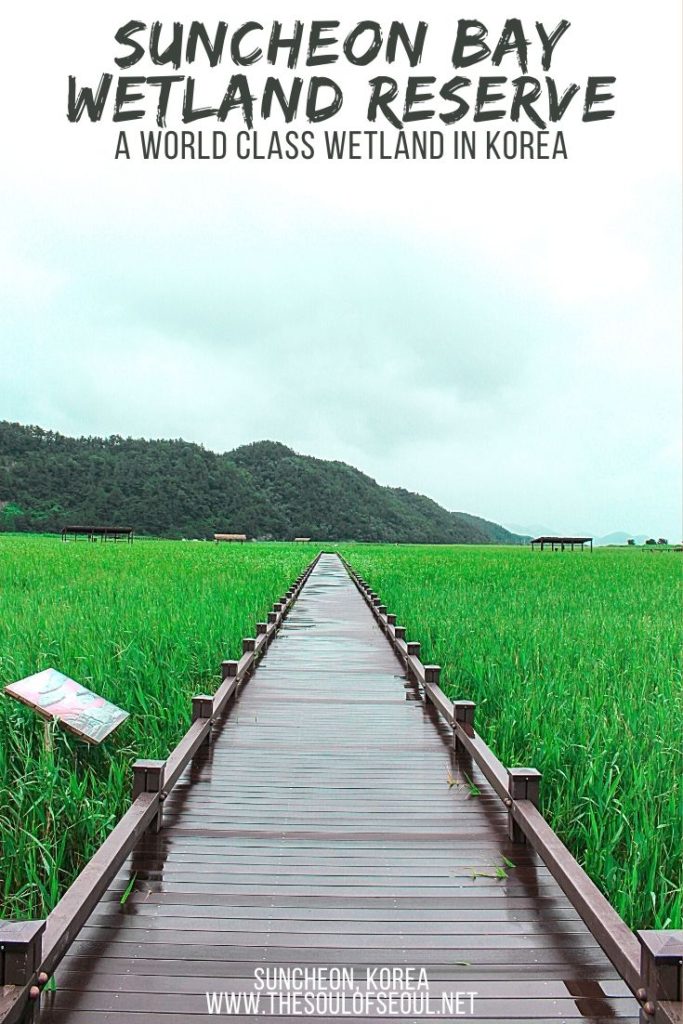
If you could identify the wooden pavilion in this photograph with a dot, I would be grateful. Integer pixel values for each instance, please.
(91, 533)
(561, 543)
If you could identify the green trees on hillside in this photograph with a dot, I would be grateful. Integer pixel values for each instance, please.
(178, 489)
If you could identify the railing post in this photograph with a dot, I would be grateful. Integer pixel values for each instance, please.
(463, 715)
(228, 668)
(523, 784)
(261, 628)
(248, 645)
(661, 960)
(148, 777)
(412, 651)
(21, 949)
(432, 673)
(21, 952)
(400, 632)
(202, 708)
(391, 620)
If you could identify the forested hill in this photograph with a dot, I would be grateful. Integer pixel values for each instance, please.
(178, 489)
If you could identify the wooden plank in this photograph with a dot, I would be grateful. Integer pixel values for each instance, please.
(100, 981)
(229, 685)
(152, 968)
(338, 941)
(502, 1008)
(186, 749)
(79, 900)
(440, 701)
(567, 957)
(499, 901)
(616, 939)
(321, 926)
(13, 999)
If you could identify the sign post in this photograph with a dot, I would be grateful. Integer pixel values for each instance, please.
(58, 698)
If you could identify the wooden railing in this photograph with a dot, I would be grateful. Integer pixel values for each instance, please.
(650, 962)
(31, 950)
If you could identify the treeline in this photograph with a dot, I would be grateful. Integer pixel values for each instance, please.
(178, 489)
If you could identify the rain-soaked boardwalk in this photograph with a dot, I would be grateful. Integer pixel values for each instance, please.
(320, 830)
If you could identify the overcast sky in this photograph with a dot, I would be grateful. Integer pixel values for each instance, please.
(503, 336)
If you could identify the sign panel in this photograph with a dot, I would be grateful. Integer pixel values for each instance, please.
(82, 712)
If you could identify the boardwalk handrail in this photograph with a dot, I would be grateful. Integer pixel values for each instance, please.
(650, 962)
(31, 950)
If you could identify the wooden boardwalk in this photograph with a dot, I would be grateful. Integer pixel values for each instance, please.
(320, 830)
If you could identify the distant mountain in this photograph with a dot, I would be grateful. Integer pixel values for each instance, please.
(619, 538)
(536, 530)
(179, 489)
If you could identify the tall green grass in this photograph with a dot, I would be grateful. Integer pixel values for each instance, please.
(145, 626)
(574, 662)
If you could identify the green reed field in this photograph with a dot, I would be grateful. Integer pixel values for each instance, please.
(574, 662)
(147, 627)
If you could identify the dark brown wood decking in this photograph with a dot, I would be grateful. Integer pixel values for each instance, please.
(320, 830)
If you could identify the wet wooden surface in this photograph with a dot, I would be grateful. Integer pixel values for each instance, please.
(330, 825)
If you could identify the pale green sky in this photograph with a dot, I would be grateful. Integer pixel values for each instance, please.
(501, 336)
